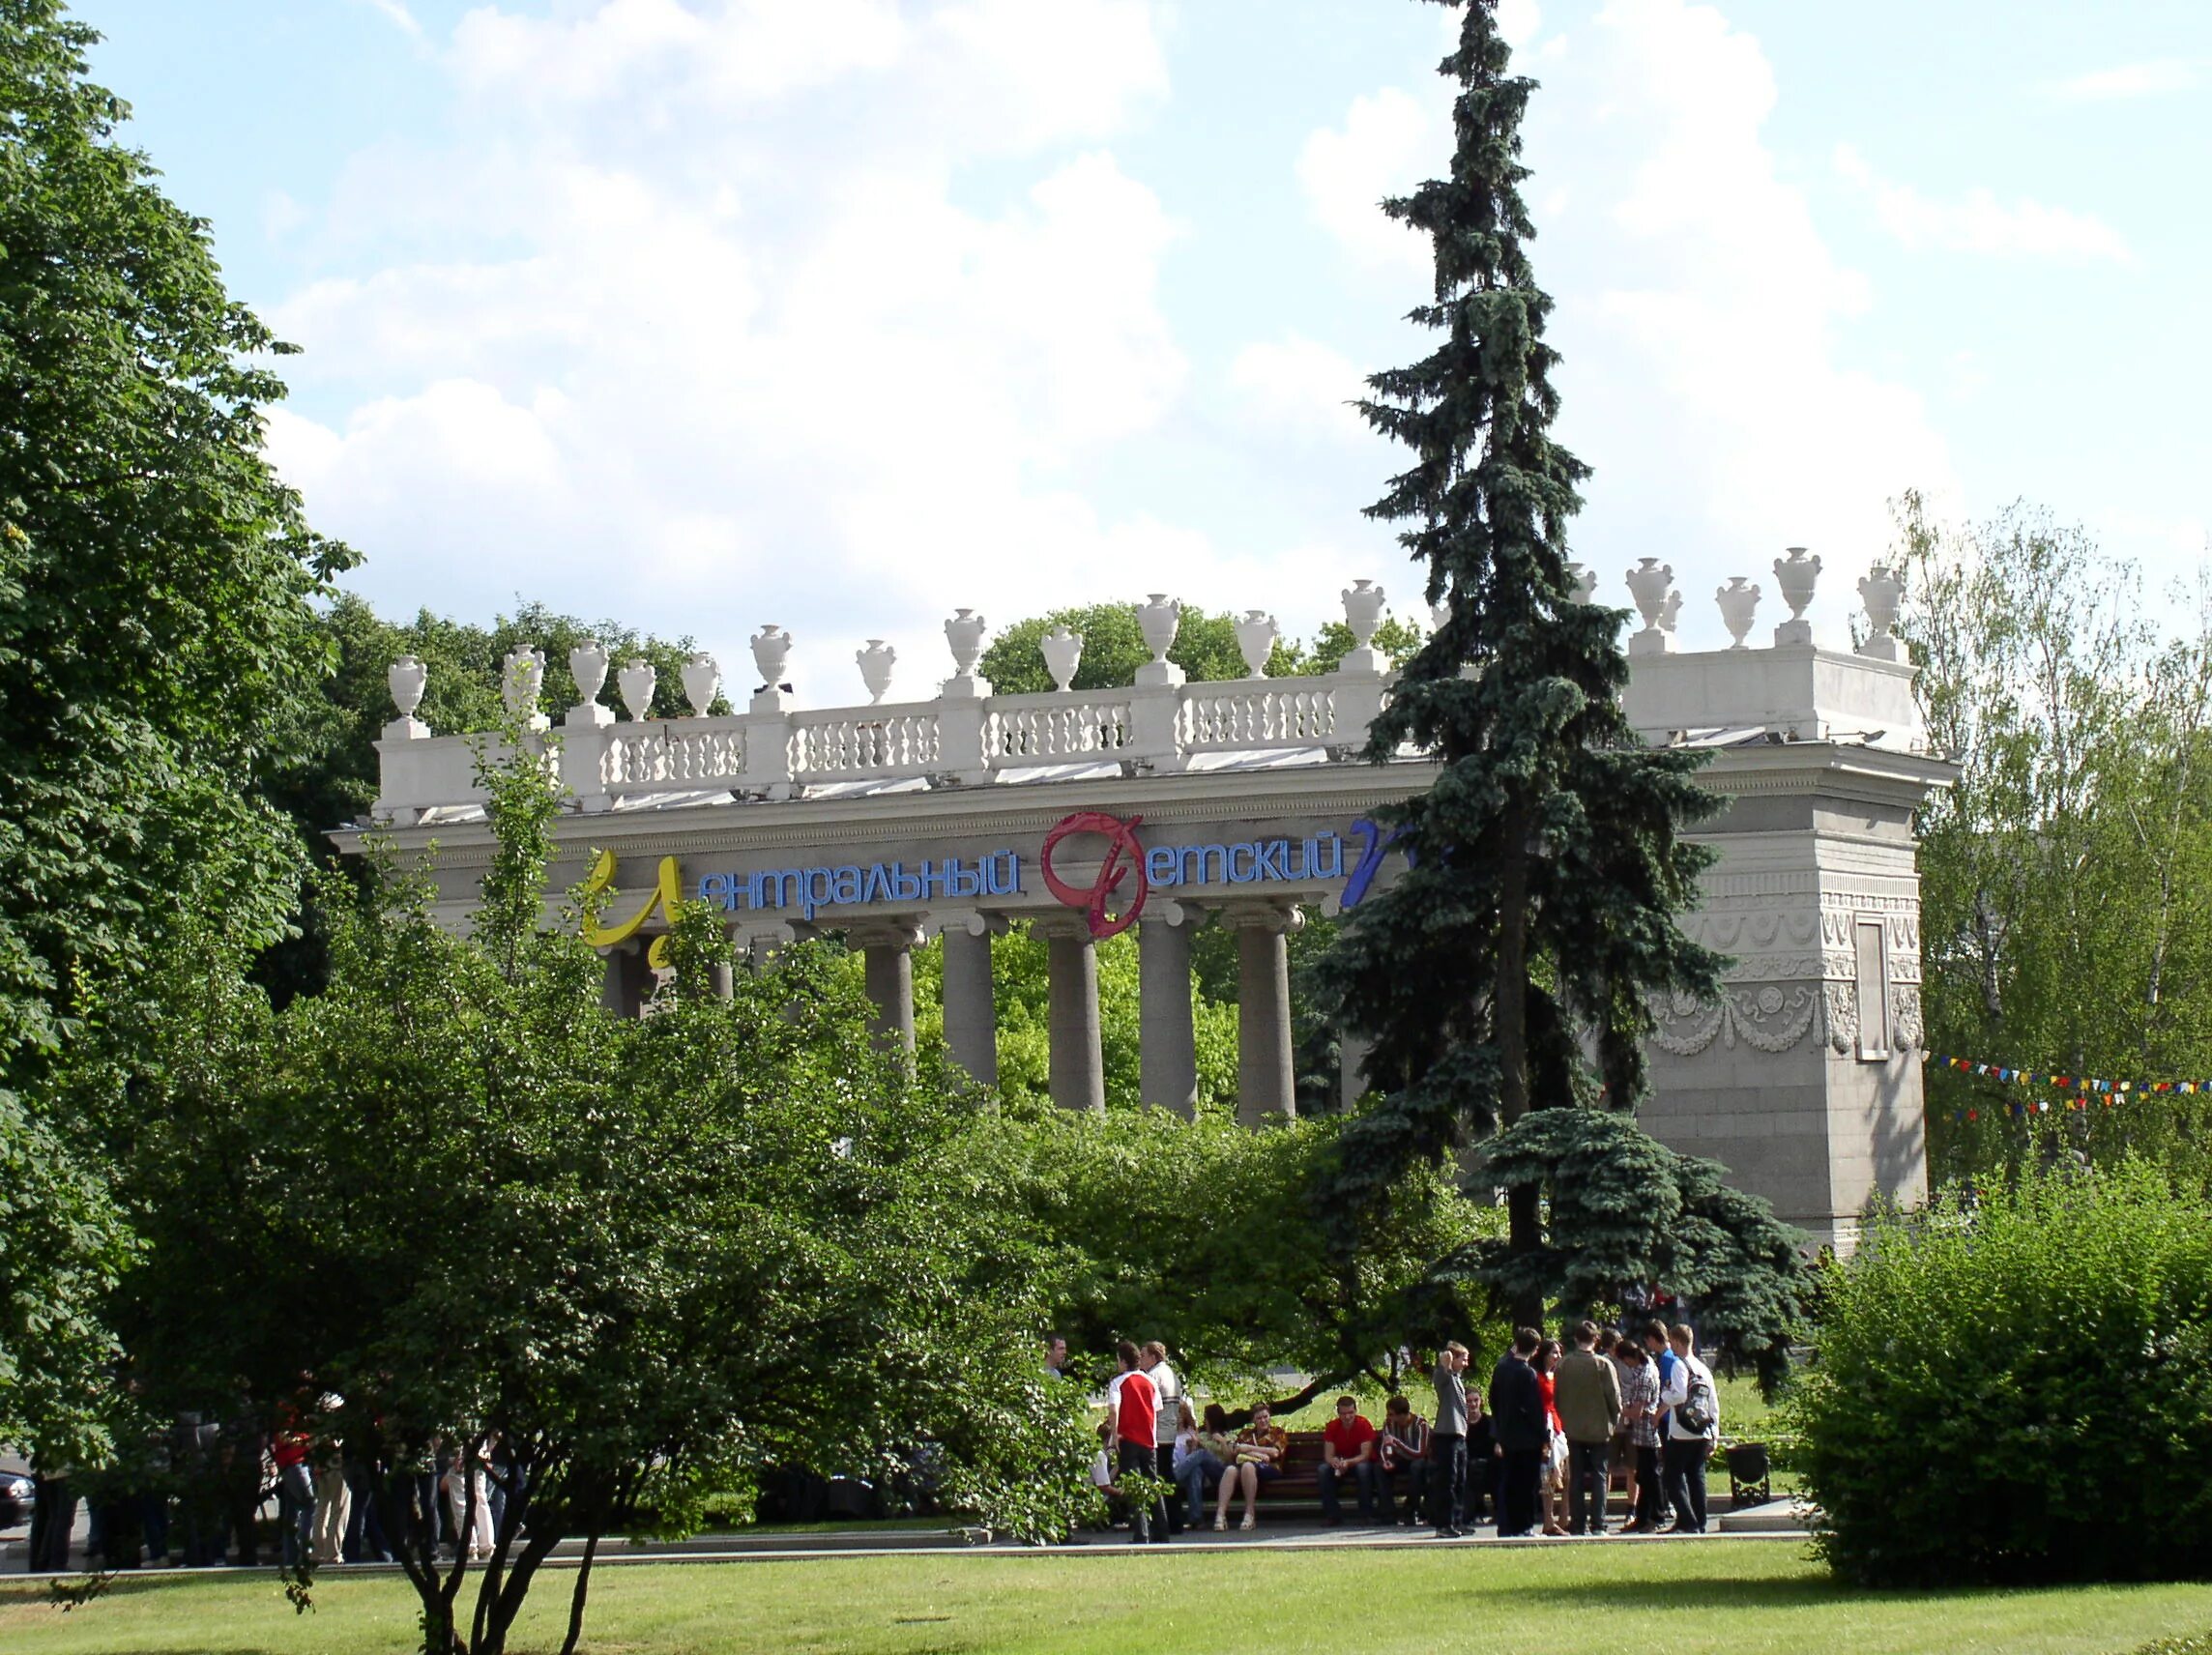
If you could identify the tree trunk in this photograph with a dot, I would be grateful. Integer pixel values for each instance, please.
(1509, 1027)
(576, 1598)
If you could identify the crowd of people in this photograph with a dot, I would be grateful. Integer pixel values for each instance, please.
(195, 1496)
(1539, 1450)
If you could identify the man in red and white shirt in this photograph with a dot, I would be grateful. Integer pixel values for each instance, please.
(1135, 1407)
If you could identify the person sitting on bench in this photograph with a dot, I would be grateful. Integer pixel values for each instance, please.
(1348, 1450)
(1261, 1448)
(1404, 1448)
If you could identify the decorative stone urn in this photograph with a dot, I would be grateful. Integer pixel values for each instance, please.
(1256, 636)
(964, 633)
(1738, 601)
(1794, 577)
(1648, 583)
(587, 666)
(635, 681)
(702, 678)
(1362, 610)
(772, 650)
(1671, 611)
(1439, 614)
(1063, 652)
(1585, 581)
(408, 678)
(1159, 617)
(1881, 591)
(875, 663)
(521, 680)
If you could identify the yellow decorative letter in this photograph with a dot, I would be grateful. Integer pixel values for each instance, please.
(666, 894)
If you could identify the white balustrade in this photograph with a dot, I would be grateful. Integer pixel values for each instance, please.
(1058, 729)
(875, 744)
(665, 756)
(968, 737)
(1257, 713)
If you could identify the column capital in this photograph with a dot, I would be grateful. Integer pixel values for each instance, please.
(1167, 911)
(1068, 925)
(944, 922)
(1260, 915)
(894, 931)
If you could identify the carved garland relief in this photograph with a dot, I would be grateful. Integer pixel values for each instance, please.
(1773, 1016)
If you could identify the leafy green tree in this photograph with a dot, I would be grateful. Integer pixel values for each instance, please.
(645, 1258)
(321, 770)
(1546, 867)
(156, 588)
(1114, 648)
(2014, 1388)
(1621, 1207)
(1396, 639)
(2066, 879)
(1202, 1233)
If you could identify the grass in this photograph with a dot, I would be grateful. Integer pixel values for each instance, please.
(1733, 1596)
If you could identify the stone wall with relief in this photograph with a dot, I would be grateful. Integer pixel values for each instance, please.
(1802, 1075)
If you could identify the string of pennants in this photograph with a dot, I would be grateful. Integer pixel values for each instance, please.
(2087, 1092)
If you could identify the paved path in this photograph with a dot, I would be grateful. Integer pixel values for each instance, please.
(1758, 1524)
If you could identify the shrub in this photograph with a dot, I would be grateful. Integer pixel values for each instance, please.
(2018, 1387)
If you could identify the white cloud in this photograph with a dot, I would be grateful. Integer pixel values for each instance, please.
(395, 10)
(1300, 385)
(1980, 223)
(1700, 310)
(2150, 80)
(693, 329)
(1388, 142)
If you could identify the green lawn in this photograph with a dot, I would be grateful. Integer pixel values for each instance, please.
(1723, 1596)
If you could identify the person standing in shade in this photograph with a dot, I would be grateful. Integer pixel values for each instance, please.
(1167, 1391)
(1523, 1429)
(1448, 1504)
(1640, 1431)
(1136, 1431)
(1586, 1391)
(1662, 1355)
(1056, 1358)
(1693, 1426)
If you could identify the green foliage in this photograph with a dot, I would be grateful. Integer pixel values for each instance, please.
(1114, 648)
(1397, 640)
(651, 1255)
(321, 770)
(156, 581)
(155, 575)
(1022, 988)
(1546, 870)
(1202, 1233)
(2017, 1389)
(1621, 1207)
(2066, 881)
(62, 1243)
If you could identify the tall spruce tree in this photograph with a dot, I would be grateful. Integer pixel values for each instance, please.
(1545, 871)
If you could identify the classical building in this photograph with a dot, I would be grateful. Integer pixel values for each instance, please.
(1163, 805)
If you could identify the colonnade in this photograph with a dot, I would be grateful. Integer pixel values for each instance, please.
(1167, 1047)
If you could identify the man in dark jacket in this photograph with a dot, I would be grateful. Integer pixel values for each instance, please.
(1523, 1431)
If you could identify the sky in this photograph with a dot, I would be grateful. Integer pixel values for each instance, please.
(700, 314)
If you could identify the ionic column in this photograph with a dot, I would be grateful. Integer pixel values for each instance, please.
(623, 988)
(1166, 1048)
(971, 1011)
(1078, 1071)
(888, 959)
(1267, 1083)
(1351, 1060)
